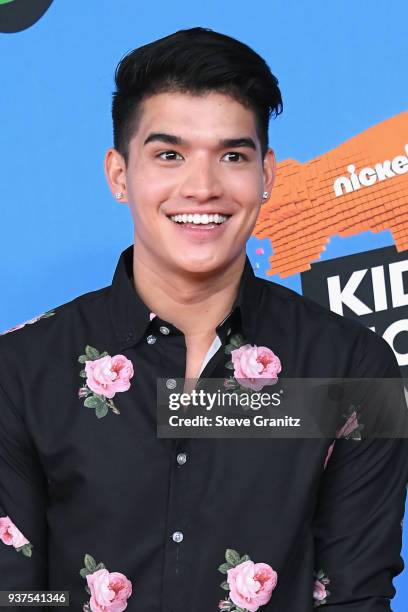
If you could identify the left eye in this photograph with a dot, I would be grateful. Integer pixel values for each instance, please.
(235, 156)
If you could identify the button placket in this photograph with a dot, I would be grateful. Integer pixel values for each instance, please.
(176, 561)
(172, 352)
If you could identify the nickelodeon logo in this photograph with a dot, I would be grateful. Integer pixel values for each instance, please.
(368, 176)
(314, 201)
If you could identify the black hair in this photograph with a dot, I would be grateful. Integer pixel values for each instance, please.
(194, 61)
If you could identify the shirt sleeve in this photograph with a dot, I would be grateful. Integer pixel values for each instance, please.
(23, 532)
(360, 507)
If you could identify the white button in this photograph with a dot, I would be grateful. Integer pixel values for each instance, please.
(164, 330)
(181, 458)
(151, 339)
(229, 331)
(177, 536)
(171, 383)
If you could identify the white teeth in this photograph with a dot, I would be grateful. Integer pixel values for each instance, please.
(199, 219)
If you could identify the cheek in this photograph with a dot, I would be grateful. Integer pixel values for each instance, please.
(245, 187)
(248, 197)
(147, 194)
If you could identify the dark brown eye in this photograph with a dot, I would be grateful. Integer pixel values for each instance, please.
(169, 155)
(234, 156)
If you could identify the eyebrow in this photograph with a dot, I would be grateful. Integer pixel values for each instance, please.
(225, 143)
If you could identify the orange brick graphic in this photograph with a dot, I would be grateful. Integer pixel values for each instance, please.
(362, 185)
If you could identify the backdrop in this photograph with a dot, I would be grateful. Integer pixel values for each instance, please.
(336, 227)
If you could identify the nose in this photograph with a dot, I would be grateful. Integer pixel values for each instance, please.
(201, 181)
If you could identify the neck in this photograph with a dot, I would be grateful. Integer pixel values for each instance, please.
(194, 304)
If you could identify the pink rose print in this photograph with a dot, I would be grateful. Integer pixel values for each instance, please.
(255, 366)
(109, 591)
(109, 375)
(259, 251)
(19, 326)
(351, 428)
(12, 536)
(320, 591)
(45, 315)
(152, 315)
(105, 376)
(329, 452)
(250, 584)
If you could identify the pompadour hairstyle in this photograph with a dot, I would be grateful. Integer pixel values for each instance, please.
(194, 61)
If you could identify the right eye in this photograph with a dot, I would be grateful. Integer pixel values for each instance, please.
(170, 155)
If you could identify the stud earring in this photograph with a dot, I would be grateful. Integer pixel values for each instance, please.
(119, 195)
(265, 195)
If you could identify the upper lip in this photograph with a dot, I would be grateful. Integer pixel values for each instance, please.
(198, 212)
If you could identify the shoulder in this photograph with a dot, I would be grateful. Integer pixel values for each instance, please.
(44, 333)
(289, 301)
(56, 315)
(297, 309)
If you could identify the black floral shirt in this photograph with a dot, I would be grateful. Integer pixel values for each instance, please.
(94, 502)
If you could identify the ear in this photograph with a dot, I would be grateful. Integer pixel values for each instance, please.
(269, 170)
(115, 172)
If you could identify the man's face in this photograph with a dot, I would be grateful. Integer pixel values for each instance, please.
(195, 155)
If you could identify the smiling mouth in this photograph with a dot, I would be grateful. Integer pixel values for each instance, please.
(197, 219)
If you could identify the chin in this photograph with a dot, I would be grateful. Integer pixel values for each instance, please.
(196, 266)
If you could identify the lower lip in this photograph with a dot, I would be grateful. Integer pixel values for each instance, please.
(200, 231)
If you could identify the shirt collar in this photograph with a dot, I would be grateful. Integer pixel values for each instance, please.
(131, 317)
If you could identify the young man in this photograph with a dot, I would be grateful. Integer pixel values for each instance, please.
(92, 501)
